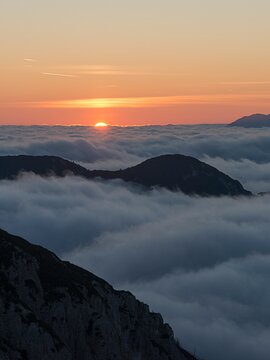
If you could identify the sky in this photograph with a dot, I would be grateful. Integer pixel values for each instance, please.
(133, 62)
(203, 263)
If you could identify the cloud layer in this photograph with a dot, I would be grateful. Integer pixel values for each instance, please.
(242, 153)
(203, 263)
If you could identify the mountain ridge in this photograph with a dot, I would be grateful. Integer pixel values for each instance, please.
(172, 171)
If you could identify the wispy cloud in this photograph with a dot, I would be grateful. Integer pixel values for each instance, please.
(61, 75)
(245, 83)
(144, 102)
(29, 60)
(110, 70)
(95, 69)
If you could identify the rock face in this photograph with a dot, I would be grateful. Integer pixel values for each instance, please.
(50, 309)
(174, 172)
(253, 121)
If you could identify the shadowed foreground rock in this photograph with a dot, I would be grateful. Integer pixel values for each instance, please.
(53, 310)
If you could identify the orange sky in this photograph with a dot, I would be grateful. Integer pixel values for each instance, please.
(133, 63)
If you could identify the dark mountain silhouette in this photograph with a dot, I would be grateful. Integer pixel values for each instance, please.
(253, 121)
(51, 309)
(12, 166)
(173, 172)
(178, 173)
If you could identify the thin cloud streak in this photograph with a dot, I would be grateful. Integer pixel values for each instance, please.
(112, 70)
(146, 102)
(61, 75)
(245, 83)
(30, 60)
(96, 70)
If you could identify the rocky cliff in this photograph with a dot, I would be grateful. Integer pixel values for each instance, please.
(53, 310)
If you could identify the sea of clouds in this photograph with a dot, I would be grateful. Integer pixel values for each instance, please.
(204, 263)
(242, 153)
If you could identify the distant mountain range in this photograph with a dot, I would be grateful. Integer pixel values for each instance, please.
(173, 172)
(253, 121)
(51, 309)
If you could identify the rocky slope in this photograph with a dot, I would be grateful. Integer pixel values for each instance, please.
(53, 310)
(253, 121)
(174, 172)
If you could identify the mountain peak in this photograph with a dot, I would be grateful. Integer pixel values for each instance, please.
(253, 121)
(178, 173)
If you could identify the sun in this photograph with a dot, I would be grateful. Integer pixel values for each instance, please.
(101, 124)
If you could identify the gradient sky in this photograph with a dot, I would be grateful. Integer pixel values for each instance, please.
(133, 62)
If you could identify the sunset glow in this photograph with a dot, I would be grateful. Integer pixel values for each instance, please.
(101, 124)
(134, 143)
(148, 102)
(189, 68)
